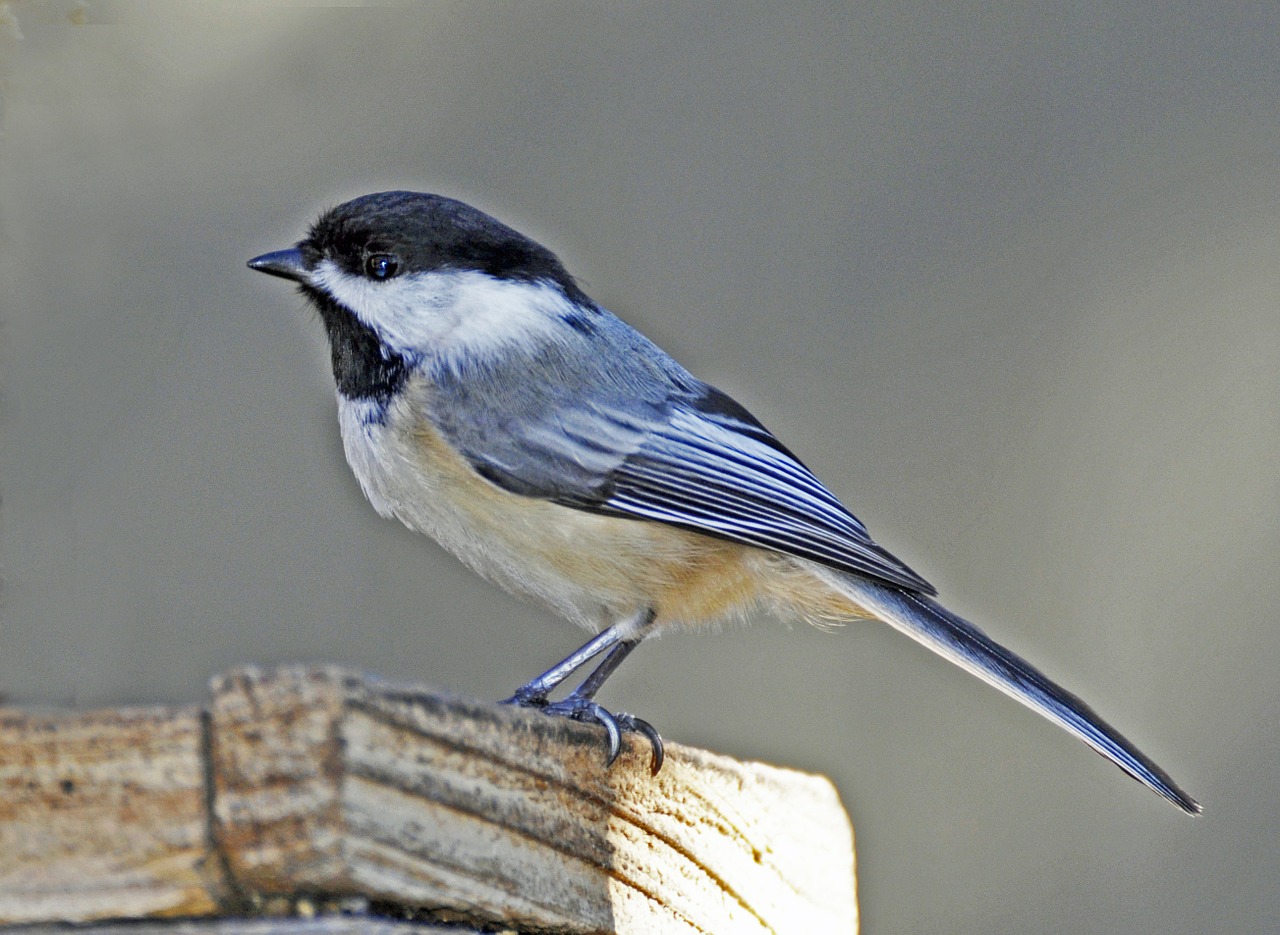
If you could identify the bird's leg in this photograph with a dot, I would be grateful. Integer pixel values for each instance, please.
(595, 681)
(534, 694)
(579, 704)
(581, 697)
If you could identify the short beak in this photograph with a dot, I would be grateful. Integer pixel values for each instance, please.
(287, 264)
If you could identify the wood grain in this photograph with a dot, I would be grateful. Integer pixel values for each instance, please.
(104, 814)
(315, 782)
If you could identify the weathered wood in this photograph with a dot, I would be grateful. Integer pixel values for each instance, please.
(325, 783)
(328, 925)
(104, 814)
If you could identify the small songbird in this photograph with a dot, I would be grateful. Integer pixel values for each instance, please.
(485, 400)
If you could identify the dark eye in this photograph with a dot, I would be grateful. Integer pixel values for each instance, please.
(381, 265)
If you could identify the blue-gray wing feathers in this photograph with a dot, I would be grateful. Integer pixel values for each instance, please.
(647, 440)
(713, 473)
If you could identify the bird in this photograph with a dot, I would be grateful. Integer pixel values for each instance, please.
(485, 400)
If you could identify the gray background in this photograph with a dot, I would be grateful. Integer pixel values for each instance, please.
(1005, 275)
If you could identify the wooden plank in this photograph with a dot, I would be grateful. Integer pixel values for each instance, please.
(314, 783)
(103, 814)
(328, 925)
(326, 781)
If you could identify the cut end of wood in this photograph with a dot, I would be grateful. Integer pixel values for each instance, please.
(314, 780)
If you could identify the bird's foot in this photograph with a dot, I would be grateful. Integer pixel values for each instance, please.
(580, 708)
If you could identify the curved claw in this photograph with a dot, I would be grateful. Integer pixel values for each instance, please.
(588, 711)
(610, 724)
(641, 726)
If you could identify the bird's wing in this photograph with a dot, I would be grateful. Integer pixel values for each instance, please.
(713, 468)
(695, 459)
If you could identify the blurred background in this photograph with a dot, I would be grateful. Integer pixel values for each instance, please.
(1005, 275)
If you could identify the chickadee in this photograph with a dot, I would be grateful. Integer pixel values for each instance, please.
(487, 401)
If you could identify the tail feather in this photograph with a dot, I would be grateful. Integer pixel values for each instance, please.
(956, 639)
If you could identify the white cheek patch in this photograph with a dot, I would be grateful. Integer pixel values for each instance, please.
(447, 315)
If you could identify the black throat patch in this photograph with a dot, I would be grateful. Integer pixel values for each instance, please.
(363, 367)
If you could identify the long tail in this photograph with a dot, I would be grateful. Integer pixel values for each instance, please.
(955, 638)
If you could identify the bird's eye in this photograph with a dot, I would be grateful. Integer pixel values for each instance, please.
(381, 265)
